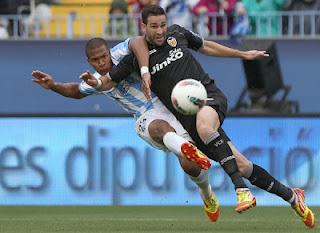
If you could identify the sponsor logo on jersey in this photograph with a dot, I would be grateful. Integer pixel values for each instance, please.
(172, 41)
(174, 55)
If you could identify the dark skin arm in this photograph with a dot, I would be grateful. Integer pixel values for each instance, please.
(46, 81)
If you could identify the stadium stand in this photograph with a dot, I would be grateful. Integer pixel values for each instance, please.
(71, 19)
(76, 18)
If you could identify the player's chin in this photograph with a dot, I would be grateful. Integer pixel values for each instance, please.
(159, 41)
(104, 70)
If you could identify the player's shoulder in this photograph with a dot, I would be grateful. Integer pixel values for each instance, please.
(178, 32)
(96, 75)
(175, 28)
(124, 45)
(119, 51)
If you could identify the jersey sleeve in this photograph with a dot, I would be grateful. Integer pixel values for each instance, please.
(87, 89)
(195, 41)
(119, 51)
(126, 66)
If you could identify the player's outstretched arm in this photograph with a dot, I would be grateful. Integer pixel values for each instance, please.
(212, 48)
(104, 83)
(46, 81)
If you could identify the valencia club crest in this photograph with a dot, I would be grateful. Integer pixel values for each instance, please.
(172, 41)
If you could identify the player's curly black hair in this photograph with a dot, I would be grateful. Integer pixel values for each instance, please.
(152, 10)
(95, 43)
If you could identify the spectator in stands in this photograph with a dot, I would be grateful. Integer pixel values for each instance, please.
(3, 29)
(264, 25)
(224, 8)
(137, 7)
(178, 11)
(9, 7)
(241, 24)
(302, 5)
(18, 7)
(119, 24)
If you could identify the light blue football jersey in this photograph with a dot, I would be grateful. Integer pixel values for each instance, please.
(128, 92)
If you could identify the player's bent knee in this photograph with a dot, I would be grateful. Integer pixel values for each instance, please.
(158, 128)
(203, 131)
(244, 165)
(242, 169)
(207, 122)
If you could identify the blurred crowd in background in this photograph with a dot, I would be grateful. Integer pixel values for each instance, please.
(234, 18)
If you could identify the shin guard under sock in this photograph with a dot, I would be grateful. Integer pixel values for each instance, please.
(222, 153)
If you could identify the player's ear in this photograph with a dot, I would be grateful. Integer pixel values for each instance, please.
(143, 28)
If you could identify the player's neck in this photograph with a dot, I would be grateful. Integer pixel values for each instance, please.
(150, 44)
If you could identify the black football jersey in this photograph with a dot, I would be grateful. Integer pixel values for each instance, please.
(169, 63)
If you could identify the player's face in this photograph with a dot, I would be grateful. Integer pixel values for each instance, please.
(99, 58)
(156, 29)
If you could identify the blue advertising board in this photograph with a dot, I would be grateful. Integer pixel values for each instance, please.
(101, 161)
(299, 62)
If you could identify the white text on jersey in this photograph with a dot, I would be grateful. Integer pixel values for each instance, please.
(174, 55)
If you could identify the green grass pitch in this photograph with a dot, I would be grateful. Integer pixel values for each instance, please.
(134, 219)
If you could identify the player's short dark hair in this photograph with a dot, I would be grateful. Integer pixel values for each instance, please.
(95, 43)
(153, 10)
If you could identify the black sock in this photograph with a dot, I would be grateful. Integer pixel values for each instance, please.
(262, 179)
(221, 153)
(230, 167)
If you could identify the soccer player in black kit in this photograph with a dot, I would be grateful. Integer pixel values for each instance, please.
(170, 62)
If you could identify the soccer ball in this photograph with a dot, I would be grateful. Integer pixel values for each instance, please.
(188, 96)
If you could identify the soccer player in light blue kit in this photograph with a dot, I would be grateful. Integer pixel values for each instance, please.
(154, 122)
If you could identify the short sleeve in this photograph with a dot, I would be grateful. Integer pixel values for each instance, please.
(195, 41)
(126, 66)
(87, 89)
(119, 51)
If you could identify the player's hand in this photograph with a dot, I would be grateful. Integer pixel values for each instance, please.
(89, 78)
(253, 54)
(43, 79)
(146, 85)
